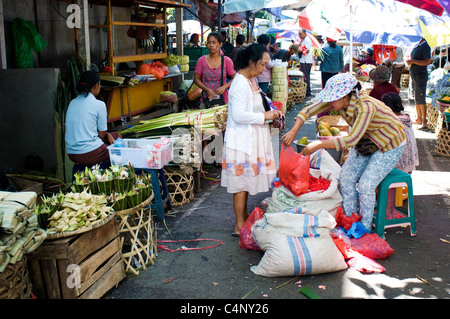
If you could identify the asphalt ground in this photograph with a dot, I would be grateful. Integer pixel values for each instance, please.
(220, 275)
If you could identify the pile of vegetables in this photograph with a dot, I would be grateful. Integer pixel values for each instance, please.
(123, 187)
(439, 87)
(325, 129)
(71, 211)
(181, 60)
(168, 96)
(208, 119)
(155, 68)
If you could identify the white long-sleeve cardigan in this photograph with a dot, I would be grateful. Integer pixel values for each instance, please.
(238, 135)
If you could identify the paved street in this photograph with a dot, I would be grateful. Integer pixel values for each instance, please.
(418, 269)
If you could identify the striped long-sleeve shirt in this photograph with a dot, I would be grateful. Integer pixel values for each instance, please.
(366, 116)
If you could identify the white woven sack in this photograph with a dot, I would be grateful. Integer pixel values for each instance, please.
(299, 225)
(296, 244)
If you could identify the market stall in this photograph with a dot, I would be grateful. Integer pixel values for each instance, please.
(148, 26)
(438, 110)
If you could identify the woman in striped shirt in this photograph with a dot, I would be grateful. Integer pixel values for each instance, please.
(376, 132)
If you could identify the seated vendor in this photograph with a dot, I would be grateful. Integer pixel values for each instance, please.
(369, 59)
(86, 124)
(381, 85)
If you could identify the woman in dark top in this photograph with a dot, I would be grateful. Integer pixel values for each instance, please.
(381, 85)
(420, 59)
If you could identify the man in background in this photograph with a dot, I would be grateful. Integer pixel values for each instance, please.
(306, 61)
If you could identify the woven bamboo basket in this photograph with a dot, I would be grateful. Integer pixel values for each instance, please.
(137, 237)
(404, 81)
(296, 93)
(180, 184)
(443, 143)
(432, 117)
(15, 282)
(442, 146)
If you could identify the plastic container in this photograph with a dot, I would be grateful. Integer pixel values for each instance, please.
(300, 147)
(142, 153)
(336, 155)
(446, 117)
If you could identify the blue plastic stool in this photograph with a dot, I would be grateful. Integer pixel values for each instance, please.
(396, 178)
(157, 176)
(80, 167)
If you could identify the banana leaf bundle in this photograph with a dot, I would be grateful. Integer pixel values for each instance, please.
(119, 201)
(134, 197)
(104, 180)
(77, 210)
(124, 178)
(83, 181)
(145, 185)
(19, 232)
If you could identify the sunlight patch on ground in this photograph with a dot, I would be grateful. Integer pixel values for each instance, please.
(431, 183)
(381, 286)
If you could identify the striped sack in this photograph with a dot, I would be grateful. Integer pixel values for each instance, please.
(296, 244)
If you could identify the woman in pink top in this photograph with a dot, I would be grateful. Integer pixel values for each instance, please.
(208, 70)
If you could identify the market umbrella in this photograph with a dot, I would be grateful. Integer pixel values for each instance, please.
(385, 22)
(293, 35)
(285, 25)
(436, 7)
(318, 14)
(395, 23)
(231, 6)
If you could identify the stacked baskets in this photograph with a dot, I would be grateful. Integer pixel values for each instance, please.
(296, 92)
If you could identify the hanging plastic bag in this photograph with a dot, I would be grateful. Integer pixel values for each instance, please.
(294, 170)
(246, 240)
(26, 40)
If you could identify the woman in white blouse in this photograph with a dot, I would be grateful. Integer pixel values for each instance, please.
(248, 163)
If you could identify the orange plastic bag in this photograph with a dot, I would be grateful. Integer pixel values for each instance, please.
(246, 240)
(294, 170)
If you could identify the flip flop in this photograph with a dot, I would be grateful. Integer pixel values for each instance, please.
(235, 235)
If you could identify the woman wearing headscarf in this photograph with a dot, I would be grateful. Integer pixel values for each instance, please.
(376, 141)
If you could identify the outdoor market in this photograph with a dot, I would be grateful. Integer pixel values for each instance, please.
(224, 150)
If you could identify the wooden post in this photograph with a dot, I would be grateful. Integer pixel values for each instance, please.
(2, 38)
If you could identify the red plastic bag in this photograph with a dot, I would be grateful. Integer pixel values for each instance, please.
(294, 170)
(246, 240)
(371, 246)
(364, 264)
(344, 221)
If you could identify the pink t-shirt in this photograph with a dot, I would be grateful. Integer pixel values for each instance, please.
(211, 77)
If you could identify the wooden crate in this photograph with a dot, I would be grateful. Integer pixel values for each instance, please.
(97, 252)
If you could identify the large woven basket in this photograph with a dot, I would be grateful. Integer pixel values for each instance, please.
(15, 282)
(432, 117)
(296, 93)
(404, 81)
(180, 184)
